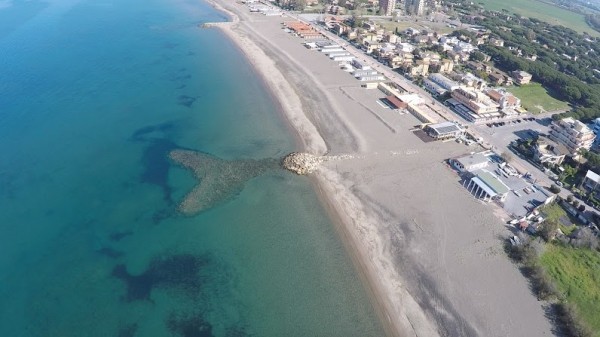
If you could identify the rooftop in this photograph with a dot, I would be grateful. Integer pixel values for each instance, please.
(592, 176)
(473, 159)
(492, 182)
(445, 128)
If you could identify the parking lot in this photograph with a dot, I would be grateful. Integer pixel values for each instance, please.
(500, 134)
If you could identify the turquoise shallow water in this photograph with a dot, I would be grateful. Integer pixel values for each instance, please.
(93, 95)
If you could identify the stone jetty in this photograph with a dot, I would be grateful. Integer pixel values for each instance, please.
(301, 163)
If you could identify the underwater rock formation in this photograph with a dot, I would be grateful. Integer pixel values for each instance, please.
(219, 179)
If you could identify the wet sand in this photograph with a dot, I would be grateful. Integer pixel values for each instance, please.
(430, 255)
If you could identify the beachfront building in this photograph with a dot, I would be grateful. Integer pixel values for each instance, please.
(360, 72)
(395, 103)
(439, 84)
(547, 151)
(474, 106)
(371, 78)
(390, 88)
(470, 163)
(387, 7)
(360, 65)
(444, 130)
(486, 186)
(573, 134)
(434, 88)
(303, 30)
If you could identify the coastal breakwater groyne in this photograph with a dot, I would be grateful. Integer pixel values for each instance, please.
(303, 163)
(220, 179)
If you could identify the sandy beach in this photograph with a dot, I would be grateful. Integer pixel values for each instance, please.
(428, 252)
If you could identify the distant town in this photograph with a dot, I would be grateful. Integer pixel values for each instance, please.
(524, 92)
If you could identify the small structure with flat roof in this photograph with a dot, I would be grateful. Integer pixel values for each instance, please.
(487, 187)
(444, 130)
(470, 163)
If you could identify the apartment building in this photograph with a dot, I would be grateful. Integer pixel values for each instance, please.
(573, 134)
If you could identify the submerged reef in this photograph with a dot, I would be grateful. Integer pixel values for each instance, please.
(128, 331)
(189, 325)
(175, 272)
(219, 179)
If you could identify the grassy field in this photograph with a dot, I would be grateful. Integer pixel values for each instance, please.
(577, 275)
(553, 212)
(542, 11)
(533, 96)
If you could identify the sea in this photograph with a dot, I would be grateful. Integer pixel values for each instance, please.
(94, 94)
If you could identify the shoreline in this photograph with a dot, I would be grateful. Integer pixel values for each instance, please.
(424, 249)
(305, 134)
(302, 128)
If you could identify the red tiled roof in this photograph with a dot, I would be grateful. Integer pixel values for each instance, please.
(494, 95)
(399, 104)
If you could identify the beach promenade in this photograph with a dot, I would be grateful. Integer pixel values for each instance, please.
(428, 252)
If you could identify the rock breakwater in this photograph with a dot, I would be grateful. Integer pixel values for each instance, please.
(301, 163)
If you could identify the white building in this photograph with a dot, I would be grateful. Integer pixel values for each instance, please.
(444, 82)
(595, 126)
(591, 180)
(507, 101)
(476, 101)
(547, 151)
(470, 163)
(415, 7)
(360, 65)
(451, 40)
(487, 187)
(444, 130)
(387, 7)
(573, 134)
(464, 47)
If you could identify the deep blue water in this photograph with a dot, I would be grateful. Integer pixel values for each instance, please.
(93, 96)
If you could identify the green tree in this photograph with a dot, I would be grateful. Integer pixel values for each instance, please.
(569, 171)
(477, 56)
(530, 34)
(548, 230)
